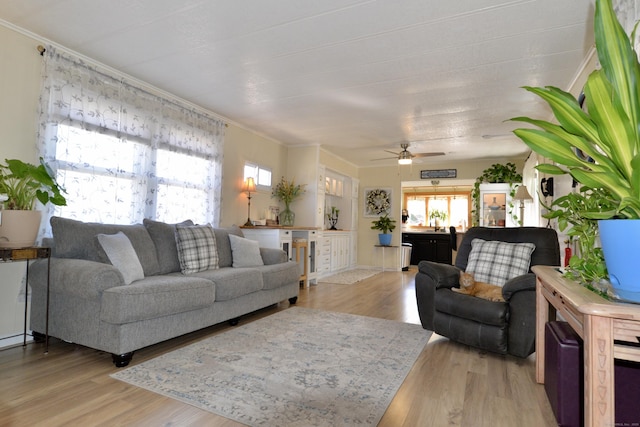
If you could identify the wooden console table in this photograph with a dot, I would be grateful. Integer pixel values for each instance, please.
(27, 254)
(609, 331)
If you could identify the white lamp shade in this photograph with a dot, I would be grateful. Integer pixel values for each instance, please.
(522, 194)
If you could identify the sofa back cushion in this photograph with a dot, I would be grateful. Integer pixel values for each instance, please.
(77, 239)
(225, 256)
(164, 239)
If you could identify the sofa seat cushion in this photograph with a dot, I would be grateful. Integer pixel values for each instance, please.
(471, 307)
(277, 275)
(155, 296)
(232, 282)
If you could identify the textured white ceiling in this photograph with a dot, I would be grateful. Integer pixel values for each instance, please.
(355, 76)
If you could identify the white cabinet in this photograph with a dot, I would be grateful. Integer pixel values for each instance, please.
(323, 254)
(497, 208)
(340, 251)
(271, 238)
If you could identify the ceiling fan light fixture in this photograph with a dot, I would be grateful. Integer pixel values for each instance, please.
(404, 158)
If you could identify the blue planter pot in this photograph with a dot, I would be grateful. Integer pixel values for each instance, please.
(385, 239)
(621, 247)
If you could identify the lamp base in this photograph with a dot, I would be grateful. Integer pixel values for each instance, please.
(248, 223)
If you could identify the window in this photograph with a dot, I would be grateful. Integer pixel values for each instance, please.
(261, 175)
(124, 154)
(422, 208)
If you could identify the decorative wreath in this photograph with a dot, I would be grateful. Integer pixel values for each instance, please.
(378, 201)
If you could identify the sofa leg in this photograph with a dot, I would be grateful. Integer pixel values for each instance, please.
(121, 360)
(38, 337)
(293, 300)
(234, 321)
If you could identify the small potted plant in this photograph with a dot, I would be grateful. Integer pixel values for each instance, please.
(385, 225)
(21, 184)
(438, 215)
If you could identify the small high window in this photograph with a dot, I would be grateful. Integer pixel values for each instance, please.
(260, 174)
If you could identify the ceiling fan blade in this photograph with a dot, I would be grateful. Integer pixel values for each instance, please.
(434, 154)
(385, 158)
(392, 152)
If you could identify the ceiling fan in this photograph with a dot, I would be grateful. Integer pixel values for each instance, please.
(405, 156)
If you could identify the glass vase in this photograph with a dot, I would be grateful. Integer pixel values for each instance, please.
(287, 217)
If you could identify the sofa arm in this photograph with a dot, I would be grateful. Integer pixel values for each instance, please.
(526, 282)
(77, 277)
(442, 275)
(273, 256)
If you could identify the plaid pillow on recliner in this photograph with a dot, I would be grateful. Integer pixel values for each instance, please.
(495, 262)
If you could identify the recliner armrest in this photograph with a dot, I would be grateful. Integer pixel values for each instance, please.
(526, 282)
(443, 275)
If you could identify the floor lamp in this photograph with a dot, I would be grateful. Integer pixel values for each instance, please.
(522, 194)
(249, 187)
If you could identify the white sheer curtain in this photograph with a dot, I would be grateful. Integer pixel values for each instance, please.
(124, 153)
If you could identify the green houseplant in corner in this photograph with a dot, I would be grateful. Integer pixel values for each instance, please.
(385, 225)
(600, 148)
(21, 185)
(496, 173)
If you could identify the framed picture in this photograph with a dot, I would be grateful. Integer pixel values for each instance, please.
(377, 202)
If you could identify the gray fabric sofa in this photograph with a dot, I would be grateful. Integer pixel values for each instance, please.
(91, 305)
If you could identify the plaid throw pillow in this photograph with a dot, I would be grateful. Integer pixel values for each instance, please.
(496, 262)
(197, 249)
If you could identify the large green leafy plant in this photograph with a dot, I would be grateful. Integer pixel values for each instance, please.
(599, 147)
(23, 183)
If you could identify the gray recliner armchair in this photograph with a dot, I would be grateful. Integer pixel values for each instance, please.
(501, 327)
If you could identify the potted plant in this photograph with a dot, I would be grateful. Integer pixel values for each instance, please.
(587, 266)
(21, 185)
(287, 192)
(438, 215)
(600, 147)
(496, 173)
(385, 225)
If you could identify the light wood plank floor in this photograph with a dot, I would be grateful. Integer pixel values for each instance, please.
(450, 384)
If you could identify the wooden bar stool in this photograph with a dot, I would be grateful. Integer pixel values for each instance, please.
(298, 245)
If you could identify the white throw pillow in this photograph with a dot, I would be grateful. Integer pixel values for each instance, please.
(120, 252)
(197, 248)
(496, 262)
(245, 252)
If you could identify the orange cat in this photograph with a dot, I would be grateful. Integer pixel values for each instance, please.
(479, 289)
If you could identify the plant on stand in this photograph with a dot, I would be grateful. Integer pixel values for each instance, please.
(21, 185)
(496, 173)
(587, 266)
(287, 192)
(600, 147)
(385, 225)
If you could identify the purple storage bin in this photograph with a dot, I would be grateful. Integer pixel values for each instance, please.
(563, 379)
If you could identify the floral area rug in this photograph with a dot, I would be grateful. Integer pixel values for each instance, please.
(349, 277)
(298, 367)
